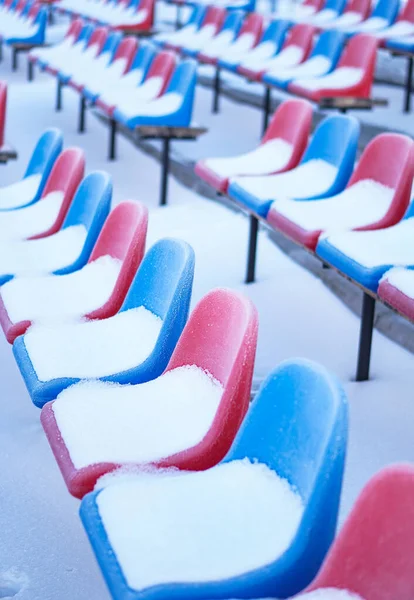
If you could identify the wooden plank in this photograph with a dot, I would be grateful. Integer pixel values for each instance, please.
(160, 131)
(350, 103)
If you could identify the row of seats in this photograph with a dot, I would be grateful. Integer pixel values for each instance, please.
(245, 5)
(153, 388)
(279, 55)
(128, 15)
(23, 21)
(129, 80)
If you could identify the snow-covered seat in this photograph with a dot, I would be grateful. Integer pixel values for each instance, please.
(264, 514)
(355, 12)
(133, 346)
(383, 15)
(206, 384)
(376, 196)
(86, 60)
(125, 14)
(323, 60)
(353, 76)
(331, 10)
(69, 248)
(372, 554)
(404, 25)
(64, 54)
(244, 43)
(270, 43)
(173, 108)
(41, 56)
(225, 36)
(31, 30)
(297, 12)
(211, 24)
(396, 288)
(323, 171)
(96, 291)
(281, 148)
(29, 189)
(175, 39)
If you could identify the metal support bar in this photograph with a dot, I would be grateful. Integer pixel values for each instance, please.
(178, 17)
(14, 59)
(365, 337)
(266, 108)
(216, 97)
(165, 170)
(59, 95)
(408, 85)
(1, 51)
(30, 70)
(251, 257)
(112, 139)
(343, 110)
(82, 111)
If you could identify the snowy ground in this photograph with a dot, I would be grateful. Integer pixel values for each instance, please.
(44, 554)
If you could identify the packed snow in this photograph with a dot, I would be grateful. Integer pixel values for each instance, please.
(314, 67)
(342, 77)
(401, 28)
(43, 255)
(238, 516)
(359, 205)
(125, 86)
(344, 21)
(93, 348)
(61, 297)
(32, 220)
(311, 178)
(289, 57)
(20, 192)
(259, 53)
(323, 16)
(402, 280)
(370, 25)
(266, 158)
(329, 594)
(106, 422)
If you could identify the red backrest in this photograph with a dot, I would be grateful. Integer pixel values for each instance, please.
(300, 35)
(20, 6)
(74, 29)
(363, 7)
(127, 49)
(254, 24)
(215, 15)
(361, 52)
(98, 38)
(123, 236)
(407, 13)
(33, 12)
(8, 3)
(163, 66)
(316, 3)
(373, 555)
(3, 106)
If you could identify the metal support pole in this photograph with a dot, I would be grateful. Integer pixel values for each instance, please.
(112, 139)
(59, 95)
(30, 70)
(1, 51)
(216, 96)
(14, 59)
(343, 111)
(365, 337)
(178, 17)
(408, 85)
(266, 108)
(82, 111)
(165, 170)
(251, 257)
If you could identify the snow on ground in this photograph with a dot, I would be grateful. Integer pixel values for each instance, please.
(44, 553)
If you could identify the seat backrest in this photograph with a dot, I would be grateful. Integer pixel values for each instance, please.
(331, 44)
(300, 35)
(360, 52)
(373, 554)
(26, 8)
(98, 38)
(111, 43)
(197, 15)
(20, 6)
(233, 21)
(3, 111)
(85, 33)
(387, 9)
(407, 13)
(74, 30)
(214, 16)
(126, 50)
(336, 5)
(184, 79)
(363, 7)
(44, 155)
(33, 12)
(93, 194)
(316, 4)
(275, 32)
(163, 66)
(253, 23)
(143, 58)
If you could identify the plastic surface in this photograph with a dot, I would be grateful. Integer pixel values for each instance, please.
(143, 6)
(373, 555)
(297, 426)
(335, 140)
(291, 122)
(389, 160)
(163, 285)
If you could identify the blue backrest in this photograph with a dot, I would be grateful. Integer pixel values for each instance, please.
(112, 42)
(184, 78)
(276, 32)
(85, 33)
(330, 44)
(233, 21)
(26, 8)
(143, 57)
(336, 5)
(387, 9)
(92, 199)
(197, 15)
(44, 155)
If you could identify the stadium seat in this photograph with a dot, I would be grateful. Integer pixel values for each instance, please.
(373, 553)
(174, 39)
(96, 291)
(29, 29)
(211, 25)
(29, 189)
(300, 11)
(376, 196)
(383, 15)
(55, 59)
(280, 150)
(226, 35)
(404, 25)
(353, 76)
(331, 10)
(295, 429)
(42, 55)
(323, 171)
(355, 12)
(397, 290)
(86, 59)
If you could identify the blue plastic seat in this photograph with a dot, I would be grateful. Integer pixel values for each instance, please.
(385, 9)
(332, 9)
(335, 141)
(38, 37)
(180, 91)
(162, 285)
(193, 24)
(329, 45)
(297, 426)
(232, 23)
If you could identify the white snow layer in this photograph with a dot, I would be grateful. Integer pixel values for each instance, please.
(19, 193)
(311, 178)
(314, 67)
(199, 527)
(361, 204)
(61, 297)
(371, 25)
(106, 422)
(401, 28)
(266, 158)
(342, 77)
(343, 21)
(329, 594)
(402, 280)
(323, 16)
(43, 255)
(32, 220)
(93, 348)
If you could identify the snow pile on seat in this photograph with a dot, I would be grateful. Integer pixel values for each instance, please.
(401, 279)
(324, 16)
(292, 55)
(402, 28)
(32, 220)
(314, 67)
(95, 348)
(94, 70)
(19, 193)
(241, 45)
(61, 297)
(330, 594)
(199, 527)
(201, 37)
(262, 52)
(218, 44)
(130, 102)
(124, 88)
(44, 255)
(104, 79)
(309, 179)
(371, 25)
(361, 204)
(343, 21)
(340, 78)
(163, 106)
(390, 246)
(106, 422)
(268, 157)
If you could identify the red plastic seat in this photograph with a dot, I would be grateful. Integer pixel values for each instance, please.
(97, 39)
(388, 160)
(360, 53)
(373, 555)
(214, 16)
(396, 297)
(253, 24)
(126, 49)
(122, 237)
(291, 122)
(147, 23)
(220, 337)
(3, 107)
